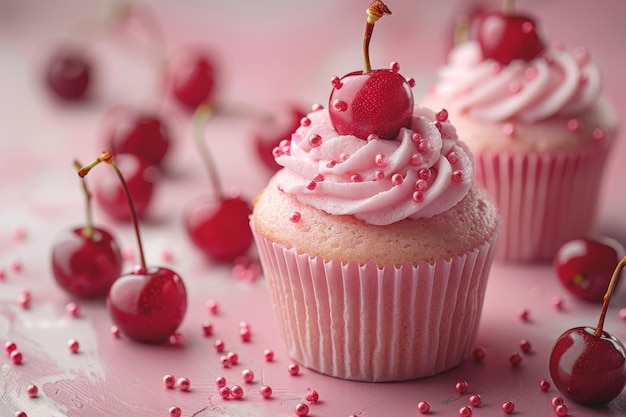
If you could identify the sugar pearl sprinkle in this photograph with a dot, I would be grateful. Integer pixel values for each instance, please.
(169, 381)
(32, 391)
(423, 407)
(175, 412)
(293, 369)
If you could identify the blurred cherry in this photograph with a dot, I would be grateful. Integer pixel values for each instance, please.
(68, 74)
(191, 78)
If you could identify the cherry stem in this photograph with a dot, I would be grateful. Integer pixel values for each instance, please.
(461, 30)
(200, 117)
(509, 6)
(88, 230)
(107, 157)
(607, 296)
(375, 11)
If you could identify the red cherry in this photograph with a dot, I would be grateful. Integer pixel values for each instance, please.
(141, 179)
(585, 266)
(589, 365)
(379, 102)
(86, 266)
(192, 78)
(506, 37)
(148, 306)
(68, 74)
(219, 227)
(268, 133)
(141, 134)
(589, 369)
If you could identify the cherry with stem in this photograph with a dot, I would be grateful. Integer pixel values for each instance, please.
(86, 260)
(217, 226)
(589, 364)
(148, 304)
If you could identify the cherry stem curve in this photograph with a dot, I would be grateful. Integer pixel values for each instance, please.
(107, 157)
(609, 293)
(509, 6)
(88, 230)
(200, 117)
(375, 11)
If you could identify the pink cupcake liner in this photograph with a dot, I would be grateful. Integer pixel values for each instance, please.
(544, 199)
(361, 322)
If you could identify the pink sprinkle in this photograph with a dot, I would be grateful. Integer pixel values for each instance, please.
(72, 309)
(15, 265)
(479, 354)
(523, 314)
(394, 66)
(336, 82)
(302, 410)
(411, 82)
(423, 146)
(515, 359)
(416, 137)
(508, 407)
(315, 141)
(16, 357)
(312, 396)
(247, 375)
(295, 216)
(531, 73)
(453, 157)
(343, 157)
(465, 412)
(544, 385)
(20, 414)
(305, 122)
(220, 381)
(115, 331)
(372, 136)
(442, 115)
(356, 178)
(597, 134)
(515, 87)
(508, 129)
(73, 345)
(219, 346)
(224, 392)
(166, 255)
(439, 127)
(421, 185)
(32, 391)
(525, 346)
(183, 383)
(572, 125)
(269, 355)
(236, 391)
(582, 56)
(424, 174)
(169, 381)
(496, 68)
(318, 178)
(556, 401)
(561, 410)
(461, 387)
(418, 196)
(175, 412)
(457, 176)
(417, 159)
(293, 369)
(316, 107)
(226, 363)
(177, 339)
(245, 334)
(331, 164)
(212, 306)
(138, 269)
(558, 302)
(379, 160)
(207, 329)
(476, 400)
(379, 175)
(265, 391)
(311, 185)
(397, 179)
(340, 105)
(423, 407)
(24, 299)
(233, 358)
(9, 347)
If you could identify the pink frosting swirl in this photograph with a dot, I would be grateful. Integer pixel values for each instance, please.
(423, 172)
(560, 82)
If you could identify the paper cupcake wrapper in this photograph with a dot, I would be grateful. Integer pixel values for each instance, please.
(366, 323)
(544, 199)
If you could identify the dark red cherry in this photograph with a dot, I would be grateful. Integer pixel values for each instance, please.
(268, 133)
(506, 37)
(220, 227)
(588, 368)
(141, 179)
(192, 78)
(585, 266)
(148, 306)
(86, 266)
(68, 74)
(141, 134)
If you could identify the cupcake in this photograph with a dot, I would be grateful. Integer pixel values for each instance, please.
(375, 244)
(539, 127)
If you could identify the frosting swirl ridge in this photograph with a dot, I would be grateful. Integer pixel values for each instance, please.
(560, 82)
(424, 171)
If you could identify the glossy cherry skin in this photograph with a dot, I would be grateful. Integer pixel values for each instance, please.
(141, 134)
(506, 37)
(148, 306)
(68, 74)
(192, 78)
(220, 228)
(585, 266)
(86, 267)
(379, 102)
(587, 368)
(267, 135)
(141, 179)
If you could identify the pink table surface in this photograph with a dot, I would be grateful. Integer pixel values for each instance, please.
(269, 51)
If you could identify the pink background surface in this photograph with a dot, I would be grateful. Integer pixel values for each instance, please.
(268, 52)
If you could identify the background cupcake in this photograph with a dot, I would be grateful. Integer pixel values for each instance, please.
(539, 126)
